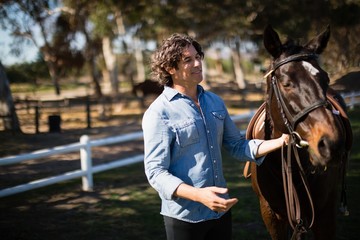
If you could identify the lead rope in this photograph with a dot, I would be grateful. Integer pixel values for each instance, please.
(343, 200)
(291, 197)
(300, 228)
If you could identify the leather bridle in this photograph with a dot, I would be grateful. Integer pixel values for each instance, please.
(290, 120)
(291, 196)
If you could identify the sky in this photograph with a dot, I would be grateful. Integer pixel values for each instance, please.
(29, 52)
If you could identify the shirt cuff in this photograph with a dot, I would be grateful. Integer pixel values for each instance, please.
(170, 187)
(251, 151)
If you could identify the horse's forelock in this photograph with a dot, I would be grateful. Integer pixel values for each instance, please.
(291, 47)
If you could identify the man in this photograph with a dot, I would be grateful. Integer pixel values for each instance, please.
(185, 129)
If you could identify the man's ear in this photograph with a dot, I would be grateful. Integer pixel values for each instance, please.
(171, 71)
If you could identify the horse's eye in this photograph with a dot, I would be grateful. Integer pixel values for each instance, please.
(286, 83)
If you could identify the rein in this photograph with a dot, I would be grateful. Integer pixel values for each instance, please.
(293, 205)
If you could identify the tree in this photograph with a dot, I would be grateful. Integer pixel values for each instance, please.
(7, 107)
(208, 20)
(76, 15)
(33, 20)
(301, 19)
(230, 22)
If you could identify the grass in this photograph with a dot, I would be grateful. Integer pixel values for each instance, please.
(124, 206)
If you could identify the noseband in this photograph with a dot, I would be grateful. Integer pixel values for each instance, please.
(289, 119)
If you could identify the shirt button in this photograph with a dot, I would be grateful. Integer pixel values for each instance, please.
(214, 161)
(211, 147)
(208, 131)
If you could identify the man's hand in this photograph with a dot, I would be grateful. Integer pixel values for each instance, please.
(210, 197)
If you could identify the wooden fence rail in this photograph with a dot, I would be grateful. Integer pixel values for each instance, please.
(87, 169)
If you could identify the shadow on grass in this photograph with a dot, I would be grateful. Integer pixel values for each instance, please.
(124, 206)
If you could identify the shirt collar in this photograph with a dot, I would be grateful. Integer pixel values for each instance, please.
(170, 92)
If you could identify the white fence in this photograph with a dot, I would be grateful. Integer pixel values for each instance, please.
(351, 98)
(84, 147)
(87, 169)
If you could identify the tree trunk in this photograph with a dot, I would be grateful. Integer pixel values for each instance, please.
(7, 107)
(239, 74)
(55, 80)
(139, 60)
(218, 63)
(110, 62)
(52, 71)
(95, 76)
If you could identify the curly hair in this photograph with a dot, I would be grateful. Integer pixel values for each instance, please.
(168, 56)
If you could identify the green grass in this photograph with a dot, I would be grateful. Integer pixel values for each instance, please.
(124, 206)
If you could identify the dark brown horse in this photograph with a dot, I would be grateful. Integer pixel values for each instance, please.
(297, 185)
(145, 89)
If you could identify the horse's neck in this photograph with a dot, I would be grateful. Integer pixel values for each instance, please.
(270, 130)
(268, 126)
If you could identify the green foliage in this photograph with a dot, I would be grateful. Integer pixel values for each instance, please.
(152, 20)
(227, 65)
(27, 72)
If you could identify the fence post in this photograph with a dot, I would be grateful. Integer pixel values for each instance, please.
(86, 164)
(352, 100)
(37, 116)
(88, 112)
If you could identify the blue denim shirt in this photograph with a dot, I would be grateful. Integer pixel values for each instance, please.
(183, 145)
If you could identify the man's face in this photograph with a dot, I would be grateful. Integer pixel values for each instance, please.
(189, 72)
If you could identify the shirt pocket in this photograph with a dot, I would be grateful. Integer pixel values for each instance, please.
(187, 133)
(220, 115)
(219, 118)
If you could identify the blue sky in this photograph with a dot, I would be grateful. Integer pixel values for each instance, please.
(29, 52)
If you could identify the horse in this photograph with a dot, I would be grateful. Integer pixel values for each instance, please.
(297, 185)
(146, 88)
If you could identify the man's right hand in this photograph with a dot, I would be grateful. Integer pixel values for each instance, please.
(210, 197)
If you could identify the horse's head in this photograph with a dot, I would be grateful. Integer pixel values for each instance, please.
(297, 101)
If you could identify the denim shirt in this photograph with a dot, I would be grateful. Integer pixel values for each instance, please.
(183, 145)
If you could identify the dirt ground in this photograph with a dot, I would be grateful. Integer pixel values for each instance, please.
(125, 117)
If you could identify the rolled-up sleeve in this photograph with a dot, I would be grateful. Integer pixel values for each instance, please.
(238, 146)
(157, 141)
(251, 151)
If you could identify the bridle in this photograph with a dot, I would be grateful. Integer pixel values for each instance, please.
(291, 196)
(289, 120)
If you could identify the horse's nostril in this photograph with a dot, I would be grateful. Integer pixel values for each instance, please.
(324, 147)
(321, 143)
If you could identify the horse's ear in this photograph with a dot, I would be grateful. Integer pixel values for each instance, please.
(319, 43)
(272, 41)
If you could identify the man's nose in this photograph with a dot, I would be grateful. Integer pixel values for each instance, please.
(197, 62)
